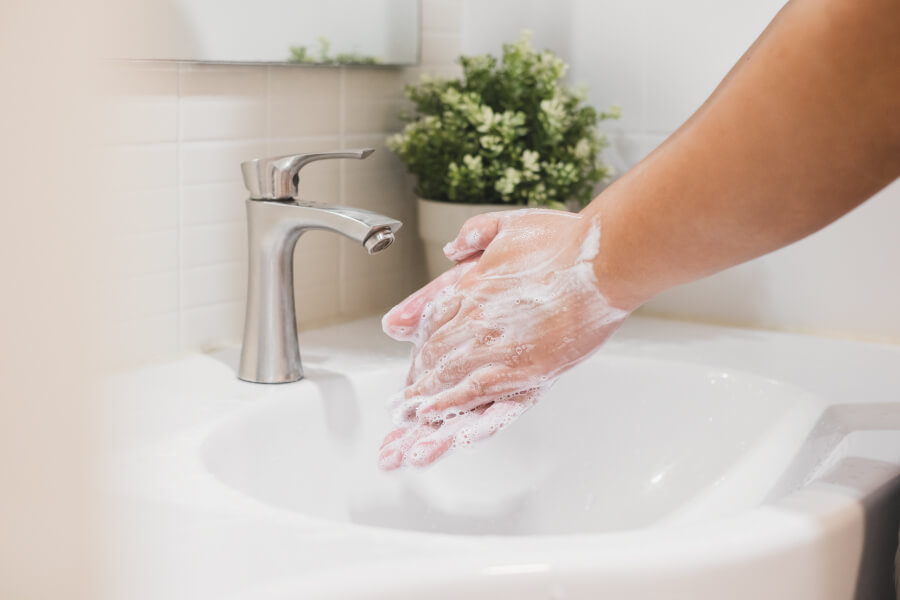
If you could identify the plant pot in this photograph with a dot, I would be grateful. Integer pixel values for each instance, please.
(439, 222)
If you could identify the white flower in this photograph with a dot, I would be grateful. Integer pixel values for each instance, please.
(530, 160)
(485, 119)
(582, 150)
(472, 163)
(507, 183)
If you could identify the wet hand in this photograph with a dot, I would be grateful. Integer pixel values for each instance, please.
(492, 333)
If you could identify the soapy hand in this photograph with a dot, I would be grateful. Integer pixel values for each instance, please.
(522, 306)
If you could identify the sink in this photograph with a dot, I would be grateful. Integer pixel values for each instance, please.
(618, 443)
(681, 461)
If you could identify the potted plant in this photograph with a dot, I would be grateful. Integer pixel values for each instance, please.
(505, 135)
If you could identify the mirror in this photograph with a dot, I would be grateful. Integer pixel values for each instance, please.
(330, 32)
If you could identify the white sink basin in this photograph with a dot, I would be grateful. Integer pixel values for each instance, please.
(671, 465)
(618, 443)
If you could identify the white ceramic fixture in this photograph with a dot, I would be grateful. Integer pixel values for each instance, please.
(682, 461)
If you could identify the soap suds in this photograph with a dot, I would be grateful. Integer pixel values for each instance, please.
(486, 352)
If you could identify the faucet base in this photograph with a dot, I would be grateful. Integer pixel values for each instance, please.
(268, 381)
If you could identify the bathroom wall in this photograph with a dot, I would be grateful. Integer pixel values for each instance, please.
(179, 131)
(659, 60)
(177, 135)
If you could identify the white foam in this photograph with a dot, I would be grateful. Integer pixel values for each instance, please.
(503, 318)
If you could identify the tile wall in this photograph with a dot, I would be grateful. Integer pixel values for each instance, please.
(178, 133)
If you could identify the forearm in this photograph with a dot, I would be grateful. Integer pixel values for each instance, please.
(804, 128)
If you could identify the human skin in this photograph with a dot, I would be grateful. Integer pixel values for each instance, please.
(805, 127)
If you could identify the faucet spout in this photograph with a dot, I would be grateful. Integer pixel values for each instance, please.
(373, 231)
(271, 351)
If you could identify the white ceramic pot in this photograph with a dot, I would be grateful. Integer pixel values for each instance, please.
(439, 222)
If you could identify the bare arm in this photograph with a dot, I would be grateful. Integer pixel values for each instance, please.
(803, 129)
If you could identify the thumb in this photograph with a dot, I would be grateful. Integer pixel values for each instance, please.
(475, 236)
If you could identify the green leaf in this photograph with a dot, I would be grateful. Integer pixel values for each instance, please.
(507, 131)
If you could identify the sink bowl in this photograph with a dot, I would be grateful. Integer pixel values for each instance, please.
(666, 466)
(618, 443)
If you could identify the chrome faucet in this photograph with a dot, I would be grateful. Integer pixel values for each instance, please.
(276, 218)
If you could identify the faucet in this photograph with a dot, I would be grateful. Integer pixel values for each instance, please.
(276, 218)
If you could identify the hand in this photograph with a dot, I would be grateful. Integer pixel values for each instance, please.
(493, 332)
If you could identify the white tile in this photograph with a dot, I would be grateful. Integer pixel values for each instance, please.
(210, 327)
(373, 295)
(316, 304)
(303, 102)
(373, 101)
(380, 161)
(224, 81)
(145, 211)
(142, 166)
(441, 16)
(287, 80)
(440, 49)
(144, 295)
(316, 259)
(608, 56)
(691, 46)
(217, 162)
(146, 253)
(213, 284)
(212, 244)
(213, 203)
(231, 118)
(380, 183)
(140, 80)
(133, 120)
(487, 25)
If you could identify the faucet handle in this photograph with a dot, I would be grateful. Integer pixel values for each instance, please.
(277, 178)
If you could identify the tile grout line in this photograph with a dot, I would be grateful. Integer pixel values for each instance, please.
(179, 210)
(268, 99)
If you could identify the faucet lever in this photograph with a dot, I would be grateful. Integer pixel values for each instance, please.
(277, 178)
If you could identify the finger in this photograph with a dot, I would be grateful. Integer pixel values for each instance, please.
(403, 409)
(447, 371)
(482, 386)
(397, 444)
(431, 447)
(444, 362)
(405, 321)
(401, 321)
(496, 417)
(467, 429)
(446, 335)
(474, 236)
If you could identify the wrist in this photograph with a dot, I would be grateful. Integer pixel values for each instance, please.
(619, 278)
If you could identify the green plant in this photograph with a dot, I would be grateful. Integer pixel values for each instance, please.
(302, 55)
(504, 133)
